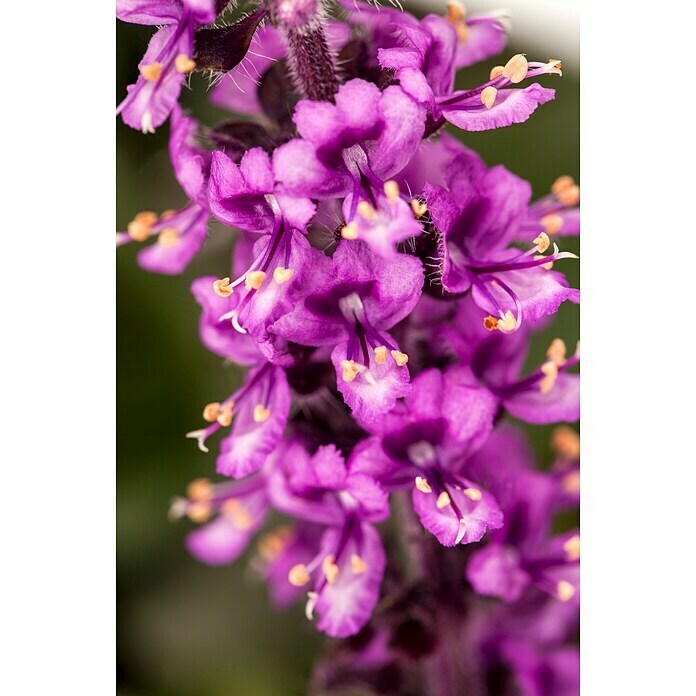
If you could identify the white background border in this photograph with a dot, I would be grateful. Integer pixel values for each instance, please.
(58, 374)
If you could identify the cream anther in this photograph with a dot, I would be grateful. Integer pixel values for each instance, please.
(400, 358)
(380, 354)
(357, 564)
(253, 280)
(542, 242)
(261, 413)
(391, 191)
(184, 64)
(282, 275)
(488, 96)
(298, 575)
(151, 72)
(443, 500)
(222, 287)
(422, 485)
(473, 494)
(516, 68)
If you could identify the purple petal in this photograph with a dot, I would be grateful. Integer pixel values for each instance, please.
(540, 292)
(495, 570)
(300, 172)
(511, 106)
(346, 605)
(190, 161)
(149, 102)
(245, 449)
(448, 527)
(218, 336)
(486, 38)
(171, 258)
(561, 404)
(236, 201)
(404, 125)
(221, 541)
(151, 12)
(373, 393)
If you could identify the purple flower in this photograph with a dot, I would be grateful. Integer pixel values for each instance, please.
(349, 302)
(180, 233)
(257, 412)
(547, 395)
(354, 145)
(522, 554)
(479, 214)
(425, 441)
(496, 104)
(346, 571)
(230, 513)
(245, 196)
(167, 59)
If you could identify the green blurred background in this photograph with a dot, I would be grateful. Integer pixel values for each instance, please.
(185, 629)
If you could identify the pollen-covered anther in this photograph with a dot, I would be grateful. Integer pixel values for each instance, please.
(422, 485)
(488, 96)
(222, 287)
(508, 323)
(400, 358)
(563, 182)
(261, 413)
(542, 242)
(569, 196)
(184, 64)
(271, 545)
(151, 72)
(224, 417)
(168, 237)
(516, 68)
(351, 370)
(456, 14)
(350, 231)
(298, 575)
(199, 512)
(168, 214)
(330, 569)
(550, 371)
(443, 500)
(282, 275)
(200, 489)
(496, 72)
(571, 483)
(139, 227)
(235, 511)
(357, 564)
(565, 591)
(556, 352)
(391, 191)
(490, 322)
(473, 494)
(365, 210)
(211, 411)
(380, 355)
(552, 223)
(419, 209)
(253, 280)
(572, 548)
(565, 442)
(546, 266)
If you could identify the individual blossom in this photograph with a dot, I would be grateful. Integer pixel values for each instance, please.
(346, 571)
(245, 196)
(555, 214)
(229, 513)
(168, 58)
(180, 234)
(351, 146)
(425, 443)
(549, 394)
(257, 413)
(523, 553)
(350, 302)
(478, 216)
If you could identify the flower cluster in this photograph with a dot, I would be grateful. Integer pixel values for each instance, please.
(383, 293)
